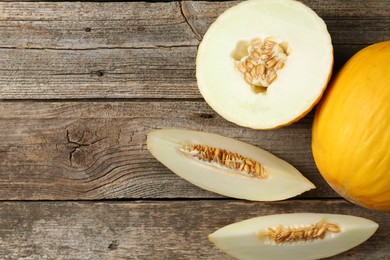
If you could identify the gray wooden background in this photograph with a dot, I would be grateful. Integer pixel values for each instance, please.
(81, 85)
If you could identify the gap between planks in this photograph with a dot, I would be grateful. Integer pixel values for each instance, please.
(100, 100)
(177, 199)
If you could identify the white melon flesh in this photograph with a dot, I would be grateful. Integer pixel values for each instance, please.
(282, 181)
(299, 84)
(247, 239)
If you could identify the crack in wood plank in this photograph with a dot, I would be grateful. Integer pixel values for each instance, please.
(183, 11)
(76, 145)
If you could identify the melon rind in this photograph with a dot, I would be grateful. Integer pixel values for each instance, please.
(241, 239)
(283, 181)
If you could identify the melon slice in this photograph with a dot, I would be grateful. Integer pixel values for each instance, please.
(265, 64)
(226, 166)
(293, 236)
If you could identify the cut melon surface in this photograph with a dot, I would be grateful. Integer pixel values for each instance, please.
(226, 166)
(264, 64)
(255, 238)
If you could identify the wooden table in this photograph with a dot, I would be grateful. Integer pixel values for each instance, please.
(81, 85)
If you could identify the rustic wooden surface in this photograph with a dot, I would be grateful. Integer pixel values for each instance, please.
(81, 85)
(150, 229)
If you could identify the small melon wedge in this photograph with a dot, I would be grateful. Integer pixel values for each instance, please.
(250, 239)
(228, 167)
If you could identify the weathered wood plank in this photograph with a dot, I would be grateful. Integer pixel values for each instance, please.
(331, 9)
(95, 150)
(108, 73)
(352, 22)
(151, 230)
(93, 25)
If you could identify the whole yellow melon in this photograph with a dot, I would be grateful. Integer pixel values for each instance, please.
(351, 129)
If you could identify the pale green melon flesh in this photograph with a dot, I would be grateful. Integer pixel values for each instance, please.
(242, 241)
(283, 180)
(298, 85)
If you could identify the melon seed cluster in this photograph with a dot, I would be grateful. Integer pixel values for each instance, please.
(314, 231)
(226, 159)
(263, 61)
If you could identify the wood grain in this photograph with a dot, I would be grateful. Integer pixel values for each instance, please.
(140, 24)
(97, 150)
(63, 25)
(107, 73)
(349, 22)
(151, 230)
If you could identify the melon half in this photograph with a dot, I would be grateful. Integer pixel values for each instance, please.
(265, 64)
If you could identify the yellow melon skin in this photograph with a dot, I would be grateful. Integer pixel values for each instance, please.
(351, 129)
